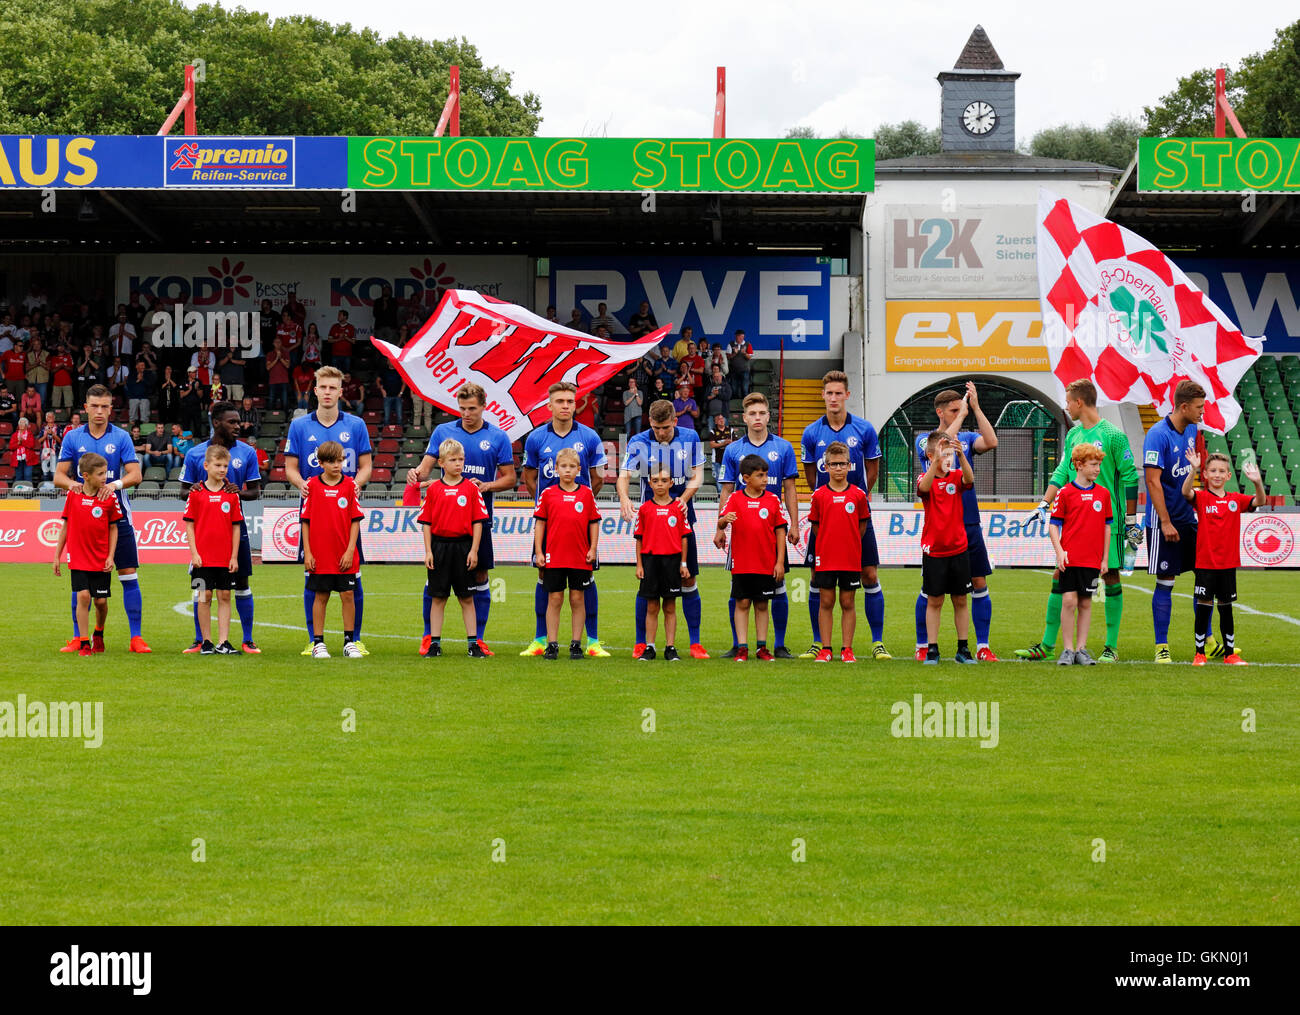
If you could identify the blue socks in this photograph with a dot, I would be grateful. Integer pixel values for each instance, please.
(198, 632)
(77, 634)
(539, 605)
(428, 602)
(874, 607)
(593, 606)
(731, 615)
(780, 615)
(641, 606)
(359, 601)
(815, 613)
(132, 601)
(691, 607)
(1162, 606)
(981, 612)
(922, 638)
(308, 601)
(244, 604)
(482, 607)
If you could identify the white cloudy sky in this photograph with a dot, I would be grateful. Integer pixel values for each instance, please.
(604, 67)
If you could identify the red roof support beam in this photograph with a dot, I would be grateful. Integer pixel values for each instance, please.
(186, 104)
(1222, 107)
(449, 122)
(720, 105)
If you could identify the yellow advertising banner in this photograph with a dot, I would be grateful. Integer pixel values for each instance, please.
(991, 336)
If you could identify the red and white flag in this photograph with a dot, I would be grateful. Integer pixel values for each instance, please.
(514, 354)
(1119, 312)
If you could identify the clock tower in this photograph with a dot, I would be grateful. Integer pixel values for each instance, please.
(979, 100)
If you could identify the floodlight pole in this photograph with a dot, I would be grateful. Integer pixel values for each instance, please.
(449, 122)
(1222, 107)
(186, 103)
(720, 105)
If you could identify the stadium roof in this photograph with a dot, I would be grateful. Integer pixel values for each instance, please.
(991, 162)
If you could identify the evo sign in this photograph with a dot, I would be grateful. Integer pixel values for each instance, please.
(771, 299)
(971, 336)
(983, 251)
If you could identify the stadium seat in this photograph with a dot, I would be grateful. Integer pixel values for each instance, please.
(276, 491)
(148, 489)
(6, 429)
(172, 489)
(155, 474)
(392, 430)
(277, 476)
(387, 446)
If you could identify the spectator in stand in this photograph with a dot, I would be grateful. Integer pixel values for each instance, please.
(390, 387)
(719, 438)
(157, 445)
(149, 358)
(175, 456)
(24, 330)
(717, 399)
(15, 367)
(550, 314)
(138, 390)
(575, 321)
(135, 314)
(277, 376)
(603, 319)
(35, 299)
(250, 420)
(304, 379)
(666, 368)
(385, 310)
(204, 364)
(642, 322)
(659, 392)
(230, 368)
(183, 445)
(290, 335)
(138, 442)
(353, 396)
(121, 337)
(22, 449)
(191, 401)
(73, 423)
(343, 337)
(644, 374)
(31, 405)
(684, 405)
(169, 397)
(8, 407)
(89, 366)
(117, 377)
(684, 376)
(682, 347)
(270, 325)
(297, 310)
(38, 367)
(8, 333)
(634, 407)
(698, 366)
(740, 353)
(312, 345)
(49, 440)
(718, 358)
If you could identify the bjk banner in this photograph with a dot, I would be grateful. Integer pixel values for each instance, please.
(28, 537)
(511, 352)
(1118, 312)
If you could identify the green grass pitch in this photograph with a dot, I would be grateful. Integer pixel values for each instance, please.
(517, 790)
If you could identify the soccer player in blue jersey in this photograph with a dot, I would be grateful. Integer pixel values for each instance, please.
(242, 477)
(678, 449)
(864, 466)
(1170, 517)
(306, 434)
(97, 434)
(490, 466)
(540, 449)
(782, 471)
(952, 410)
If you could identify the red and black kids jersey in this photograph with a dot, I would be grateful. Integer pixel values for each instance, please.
(944, 531)
(567, 514)
(1218, 536)
(754, 540)
(214, 516)
(451, 511)
(836, 513)
(330, 512)
(88, 519)
(1083, 512)
(661, 527)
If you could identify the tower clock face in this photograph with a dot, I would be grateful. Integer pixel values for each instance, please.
(979, 118)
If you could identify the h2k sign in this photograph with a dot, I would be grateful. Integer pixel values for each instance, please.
(769, 298)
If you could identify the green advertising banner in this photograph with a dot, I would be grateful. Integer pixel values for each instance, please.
(1207, 164)
(693, 165)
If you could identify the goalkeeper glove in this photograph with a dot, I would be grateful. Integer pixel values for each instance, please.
(1132, 531)
(1039, 513)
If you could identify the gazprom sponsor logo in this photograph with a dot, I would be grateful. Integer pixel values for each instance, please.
(232, 162)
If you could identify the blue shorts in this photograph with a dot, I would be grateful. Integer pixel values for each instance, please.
(245, 559)
(1169, 560)
(692, 554)
(127, 556)
(977, 552)
(870, 552)
(486, 558)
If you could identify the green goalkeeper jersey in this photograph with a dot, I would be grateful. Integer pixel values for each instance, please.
(1118, 473)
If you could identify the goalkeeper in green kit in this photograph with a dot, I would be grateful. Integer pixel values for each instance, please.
(1119, 476)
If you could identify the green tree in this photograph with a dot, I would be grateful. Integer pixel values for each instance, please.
(801, 132)
(902, 140)
(1112, 145)
(115, 67)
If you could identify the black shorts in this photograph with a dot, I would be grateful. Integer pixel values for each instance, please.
(945, 576)
(211, 579)
(449, 574)
(1169, 560)
(98, 583)
(1216, 583)
(846, 580)
(318, 582)
(1082, 580)
(663, 576)
(554, 579)
(870, 551)
(758, 587)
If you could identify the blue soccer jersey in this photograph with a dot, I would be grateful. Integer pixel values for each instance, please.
(683, 454)
(307, 433)
(243, 465)
(115, 446)
(486, 449)
(776, 451)
(856, 433)
(970, 502)
(544, 443)
(1166, 449)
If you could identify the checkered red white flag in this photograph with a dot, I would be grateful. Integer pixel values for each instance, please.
(1119, 312)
